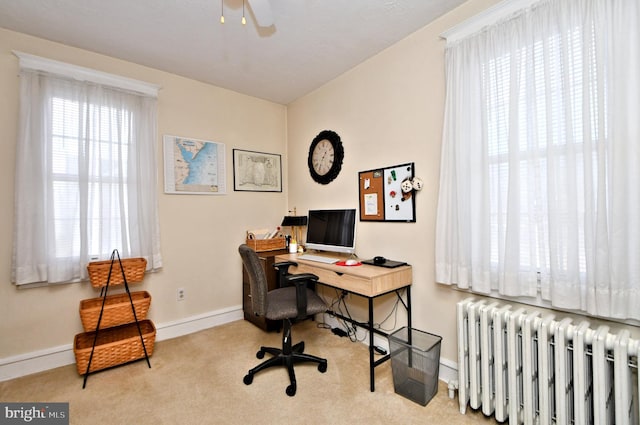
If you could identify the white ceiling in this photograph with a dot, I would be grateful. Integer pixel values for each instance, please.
(310, 43)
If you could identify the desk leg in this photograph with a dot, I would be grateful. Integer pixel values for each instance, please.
(369, 326)
(408, 306)
(371, 351)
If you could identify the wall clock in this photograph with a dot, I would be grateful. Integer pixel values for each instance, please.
(325, 157)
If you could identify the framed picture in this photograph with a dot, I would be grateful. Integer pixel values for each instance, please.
(382, 197)
(194, 167)
(256, 171)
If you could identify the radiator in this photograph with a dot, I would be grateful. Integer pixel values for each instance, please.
(529, 368)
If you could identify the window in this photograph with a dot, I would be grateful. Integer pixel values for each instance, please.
(538, 190)
(85, 177)
(550, 129)
(65, 177)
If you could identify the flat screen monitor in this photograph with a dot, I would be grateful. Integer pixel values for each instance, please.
(332, 230)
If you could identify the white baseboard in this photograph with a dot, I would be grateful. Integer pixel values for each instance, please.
(197, 323)
(448, 371)
(38, 361)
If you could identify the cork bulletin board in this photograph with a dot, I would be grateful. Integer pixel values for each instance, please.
(382, 197)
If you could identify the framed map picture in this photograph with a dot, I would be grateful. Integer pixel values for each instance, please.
(193, 166)
(256, 171)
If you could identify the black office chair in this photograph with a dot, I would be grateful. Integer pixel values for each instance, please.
(287, 303)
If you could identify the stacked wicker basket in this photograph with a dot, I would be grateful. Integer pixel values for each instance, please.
(113, 334)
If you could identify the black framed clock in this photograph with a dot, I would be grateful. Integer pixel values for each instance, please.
(325, 157)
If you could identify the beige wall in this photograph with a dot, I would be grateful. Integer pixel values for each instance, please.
(200, 234)
(388, 111)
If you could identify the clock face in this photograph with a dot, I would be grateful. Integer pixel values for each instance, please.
(325, 157)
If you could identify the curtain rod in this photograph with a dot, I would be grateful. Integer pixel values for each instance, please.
(487, 17)
(38, 63)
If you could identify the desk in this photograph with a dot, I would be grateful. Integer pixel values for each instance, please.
(366, 281)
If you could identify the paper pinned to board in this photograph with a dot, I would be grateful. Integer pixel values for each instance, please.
(371, 204)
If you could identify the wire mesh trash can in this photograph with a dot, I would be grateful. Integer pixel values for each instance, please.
(415, 363)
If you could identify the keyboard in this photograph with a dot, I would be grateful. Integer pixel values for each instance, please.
(318, 258)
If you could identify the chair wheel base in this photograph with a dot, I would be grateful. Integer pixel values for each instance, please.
(322, 367)
(248, 379)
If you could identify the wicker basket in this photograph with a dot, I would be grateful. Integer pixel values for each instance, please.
(261, 245)
(115, 346)
(133, 270)
(117, 310)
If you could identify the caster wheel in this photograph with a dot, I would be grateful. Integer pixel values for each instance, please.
(248, 379)
(260, 354)
(291, 390)
(322, 367)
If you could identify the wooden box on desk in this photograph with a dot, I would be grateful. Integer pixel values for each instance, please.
(263, 245)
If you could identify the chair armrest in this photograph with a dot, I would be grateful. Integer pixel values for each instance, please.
(301, 280)
(285, 264)
(295, 278)
(283, 271)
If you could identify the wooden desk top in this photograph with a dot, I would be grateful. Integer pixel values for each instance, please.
(366, 280)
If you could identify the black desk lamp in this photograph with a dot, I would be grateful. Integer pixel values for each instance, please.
(295, 221)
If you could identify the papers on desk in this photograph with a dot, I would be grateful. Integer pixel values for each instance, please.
(263, 233)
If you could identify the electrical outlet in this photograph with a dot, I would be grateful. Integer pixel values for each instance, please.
(181, 294)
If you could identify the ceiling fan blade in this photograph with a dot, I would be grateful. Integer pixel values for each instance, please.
(262, 11)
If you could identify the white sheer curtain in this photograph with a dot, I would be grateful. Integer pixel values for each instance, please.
(85, 178)
(540, 176)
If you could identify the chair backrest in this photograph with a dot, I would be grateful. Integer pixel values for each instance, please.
(257, 279)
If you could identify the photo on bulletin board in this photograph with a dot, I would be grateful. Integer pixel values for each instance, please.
(382, 197)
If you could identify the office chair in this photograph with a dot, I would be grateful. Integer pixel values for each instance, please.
(287, 303)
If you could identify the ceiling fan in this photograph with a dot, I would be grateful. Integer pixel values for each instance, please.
(262, 12)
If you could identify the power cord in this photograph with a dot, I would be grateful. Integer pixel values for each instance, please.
(394, 312)
(336, 305)
(351, 329)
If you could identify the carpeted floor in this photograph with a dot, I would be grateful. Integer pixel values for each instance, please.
(197, 379)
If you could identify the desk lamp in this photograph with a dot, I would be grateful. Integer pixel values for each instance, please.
(294, 221)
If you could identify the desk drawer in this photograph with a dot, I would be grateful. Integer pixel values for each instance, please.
(364, 285)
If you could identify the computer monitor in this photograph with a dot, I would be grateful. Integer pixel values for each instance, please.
(332, 230)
